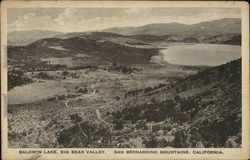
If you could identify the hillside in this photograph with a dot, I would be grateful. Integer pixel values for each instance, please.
(230, 39)
(150, 29)
(83, 50)
(202, 110)
(222, 26)
(22, 38)
(223, 31)
(94, 45)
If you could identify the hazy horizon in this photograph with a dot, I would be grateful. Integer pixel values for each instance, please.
(111, 27)
(88, 19)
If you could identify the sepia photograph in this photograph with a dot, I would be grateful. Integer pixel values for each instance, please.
(123, 77)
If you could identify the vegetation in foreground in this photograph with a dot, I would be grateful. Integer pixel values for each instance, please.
(201, 110)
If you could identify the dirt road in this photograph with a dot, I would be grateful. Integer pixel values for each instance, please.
(96, 111)
(99, 116)
(81, 97)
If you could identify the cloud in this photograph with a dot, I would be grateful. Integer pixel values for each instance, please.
(29, 16)
(84, 19)
(69, 15)
(31, 21)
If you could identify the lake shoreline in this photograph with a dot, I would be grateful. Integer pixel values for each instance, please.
(196, 54)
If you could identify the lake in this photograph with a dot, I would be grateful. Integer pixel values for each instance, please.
(200, 54)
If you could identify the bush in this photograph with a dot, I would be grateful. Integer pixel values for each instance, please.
(17, 78)
(75, 118)
(118, 125)
(44, 75)
(84, 134)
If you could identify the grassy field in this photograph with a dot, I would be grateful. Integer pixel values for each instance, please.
(35, 91)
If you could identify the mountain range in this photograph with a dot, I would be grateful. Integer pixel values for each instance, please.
(223, 31)
(222, 26)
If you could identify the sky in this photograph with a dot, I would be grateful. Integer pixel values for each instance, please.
(85, 19)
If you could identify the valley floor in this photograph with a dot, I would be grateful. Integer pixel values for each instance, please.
(35, 119)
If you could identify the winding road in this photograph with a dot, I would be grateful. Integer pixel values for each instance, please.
(96, 111)
(81, 97)
(99, 116)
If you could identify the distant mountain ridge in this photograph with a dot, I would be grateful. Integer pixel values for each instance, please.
(223, 31)
(221, 26)
(150, 29)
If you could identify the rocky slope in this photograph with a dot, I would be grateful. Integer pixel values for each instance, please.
(202, 110)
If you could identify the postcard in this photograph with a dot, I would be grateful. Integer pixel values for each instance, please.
(124, 80)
